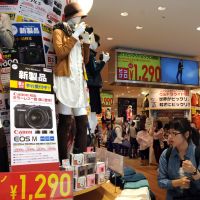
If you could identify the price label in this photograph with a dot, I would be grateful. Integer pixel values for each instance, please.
(36, 185)
(138, 67)
(106, 99)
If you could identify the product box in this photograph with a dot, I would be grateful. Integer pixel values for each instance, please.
(77, 159)
(90, 180)
(100, 178)
(80, 170)
(100, 167)
(91, 168)
(79, 183)
(90, 157)
(90, 149)
(65, 163)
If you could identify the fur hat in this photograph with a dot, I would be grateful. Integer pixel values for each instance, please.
(72, 10)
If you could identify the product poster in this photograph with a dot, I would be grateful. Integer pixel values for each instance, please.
(33, 128)
(44, 11)
(28, 43)
(169, 99)
(31, 78)
(9, 7)
(137, 67)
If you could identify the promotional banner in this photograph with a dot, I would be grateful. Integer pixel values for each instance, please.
(28, 43)
(106, 99)
(169, 99)
(45, 11)
(31, 78)
(180, 71)
(36, 185)
(137, 67)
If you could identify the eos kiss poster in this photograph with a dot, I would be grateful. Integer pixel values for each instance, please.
(177, 71)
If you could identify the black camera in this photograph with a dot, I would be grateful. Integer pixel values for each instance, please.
(11, 1)
(31, 116)
(32, 54)
(58, 4)
(89, 29)
(48, 2)
(57, 10)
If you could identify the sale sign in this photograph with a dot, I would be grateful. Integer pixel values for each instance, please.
(138, 67)
(106, 99)
(36, 185)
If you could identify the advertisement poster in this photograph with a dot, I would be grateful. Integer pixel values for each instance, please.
(28, 43)
(31, 78)
(179, 71)
(33, 128)
(45, 11)
(36, 185)
(137, 67)
(9, 7)
(169, 99)
(106, 99)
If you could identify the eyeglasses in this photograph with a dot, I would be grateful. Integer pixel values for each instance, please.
(174, 133)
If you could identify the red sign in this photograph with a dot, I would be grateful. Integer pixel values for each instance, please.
(36, 185)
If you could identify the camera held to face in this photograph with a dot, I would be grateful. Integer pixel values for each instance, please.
(31, 116)
(89, 29)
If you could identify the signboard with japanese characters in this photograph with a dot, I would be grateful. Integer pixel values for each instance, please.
(31, 78)
(169, 99)
(36, 185)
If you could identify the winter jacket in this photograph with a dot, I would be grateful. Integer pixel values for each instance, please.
(93, 69)
(6, 35)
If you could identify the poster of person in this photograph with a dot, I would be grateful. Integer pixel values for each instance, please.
(29, 44)
(45, 11)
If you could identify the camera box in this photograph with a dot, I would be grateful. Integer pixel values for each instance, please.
(100, 178)
(80, 171)
(79, 183)
(65, 163)
(90, 149)
(90, 157)
(77, 159)
(91, 168)
(90, 180)
(101, 167)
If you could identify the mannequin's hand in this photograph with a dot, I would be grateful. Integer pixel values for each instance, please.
(79, 29)
(86, 37)
(106, 57)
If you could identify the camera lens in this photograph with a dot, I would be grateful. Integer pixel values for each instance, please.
(37, 117)
(89, 29)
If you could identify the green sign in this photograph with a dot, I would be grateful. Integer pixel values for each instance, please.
(138, 67)
(106, 99)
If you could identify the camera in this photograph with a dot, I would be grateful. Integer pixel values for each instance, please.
(31, 54)
(31, 116)
(11, 1)
(58, 4)
(48, 2)
(57, 11)
(89, 29)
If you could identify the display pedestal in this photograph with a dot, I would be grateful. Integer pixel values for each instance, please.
(105, 191)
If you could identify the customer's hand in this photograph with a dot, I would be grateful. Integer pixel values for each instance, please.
(183, 182)
(188, 166)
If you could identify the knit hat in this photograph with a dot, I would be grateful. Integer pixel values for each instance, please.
(72, 10)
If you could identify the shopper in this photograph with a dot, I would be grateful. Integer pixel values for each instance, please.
(133, 141)
(6, 40)
(118, 140)
(178, 170)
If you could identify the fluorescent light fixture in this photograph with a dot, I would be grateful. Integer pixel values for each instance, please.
(161, 8)
(124, 14)
(139, 27)
(109, 38)
(198, 28)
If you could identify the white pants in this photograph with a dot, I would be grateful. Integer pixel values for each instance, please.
(65, 110)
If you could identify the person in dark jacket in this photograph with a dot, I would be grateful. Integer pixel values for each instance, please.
(94, 83)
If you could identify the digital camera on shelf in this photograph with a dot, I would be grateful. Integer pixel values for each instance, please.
(31, 54)
(57, 10)
(79, 182)
(11, 1)
(48, 2)
(90, 180)
(58, 4)
(31, 116)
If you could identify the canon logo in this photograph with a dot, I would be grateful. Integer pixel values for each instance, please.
(22, 132)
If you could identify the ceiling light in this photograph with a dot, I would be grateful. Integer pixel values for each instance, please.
(124, 14)
(109, 38)
(122, 94)
(198, 28)
(128, 91)
(139, 27)
(161, 8)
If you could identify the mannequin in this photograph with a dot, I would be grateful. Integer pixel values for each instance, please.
(6, 40)
(129, 113)
(94, 82)
(70, 78)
